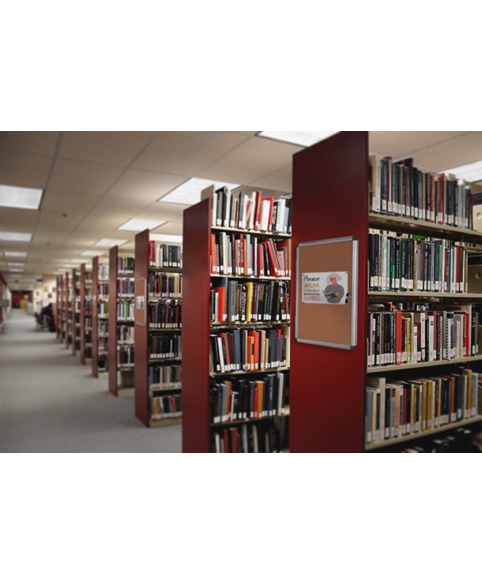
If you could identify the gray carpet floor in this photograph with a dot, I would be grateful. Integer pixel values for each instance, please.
(51, 403)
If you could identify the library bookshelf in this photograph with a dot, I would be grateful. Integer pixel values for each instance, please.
(76, 337)
(85, 314)
(65, 309)
(331, 200)
(100, 316)
(121, 375)
(198, 429)
(58, 313)
(144, 334)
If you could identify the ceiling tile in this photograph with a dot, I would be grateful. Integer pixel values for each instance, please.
(83, 177)
(24, 170)
(170, 228)
(462, 150)
(68, 202)
(57, 222)
(122, 207)
(280, 180)
(29, 142)
(117, 148)
(186, 153)
(163, 211)
(25, 217)
(145, 185)
(402, 144)
(251, 160)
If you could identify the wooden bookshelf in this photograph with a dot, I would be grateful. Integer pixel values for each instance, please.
(85, 314)
(58, 313)
(76, 301)
(197, 229)
(121, 379)
(99, 357)
(328, 386)
(143, 332)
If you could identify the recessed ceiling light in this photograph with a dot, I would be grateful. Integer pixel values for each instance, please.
(189, 193)
(77, 262)
(15, 269)
(90, 254)
(16, 264)
(169, 238)
(140, 225)
(471, 172)
(297, 138)
(111, 242)
(20, 197)
(11, 236)
(15, 254)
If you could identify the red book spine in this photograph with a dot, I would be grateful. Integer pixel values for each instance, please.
(236, 440)
(224, 336)
(272, 259)
(226, 441)
(258, 210)
(222, 304)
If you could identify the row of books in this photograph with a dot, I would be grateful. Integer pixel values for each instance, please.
(259, 438)
(125, 334)
(410, 263)
(103, 327)
(103, 289)
(245, 255)
(401, 189)
(254, 350)
(125, 266)
(103, 308)
(88, 307)
(165, 285)
(165, 377)
(250, 211)
(166, 407)
(163, 255)
(397, 408)
(235, 301)
(398, 337)
(126, 355)
(165, 315)
(458, 441)
(125, 311)
(237, 399)
(125, 287)
(165, 346)
(103, 271)
(102, 347)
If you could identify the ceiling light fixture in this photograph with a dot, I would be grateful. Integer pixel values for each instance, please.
(470, 172)
(111, 242)
(15, 254)
(189, 193)
(20, 197)
(16, 264)
(297, 138)
(13, 236)
(168, 238)
(139, 225)
(91, 254)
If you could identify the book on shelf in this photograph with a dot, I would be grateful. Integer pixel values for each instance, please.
(412, 333)
(125, 265)
(399, 408)
(126, 355)
(399, 188)
(125, 334)
(238, 399)
(249, 350)
(259, 437)
(233, 301)
(165, 315)
(165, 346)
(240, 254)
(166, 407)
(413, 263)
(249, 211)
(125, 311)
(165, 377)
(125, 287)
(163, 255)
(103, 271)
(163, 285)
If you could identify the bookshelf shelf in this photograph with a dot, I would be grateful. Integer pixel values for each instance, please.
(198, 432)
(324, 380)
(100, 353)
(420, 435)
(417, 227)
(167, 422)
(252, 420)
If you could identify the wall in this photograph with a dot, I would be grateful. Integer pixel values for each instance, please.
(43, 292)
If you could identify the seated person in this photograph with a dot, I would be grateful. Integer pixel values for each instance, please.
(49, 315)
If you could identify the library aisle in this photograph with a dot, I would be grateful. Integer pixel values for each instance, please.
(51, 403)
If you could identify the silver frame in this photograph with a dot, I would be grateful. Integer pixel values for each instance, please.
(353, 298)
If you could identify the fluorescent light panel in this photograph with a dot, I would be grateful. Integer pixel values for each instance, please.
(167, 238)
(77, 262)
(189, 193)
(298, 138)
(15, 269)
(90, 254)
(16, 264)
(20, 197)
(12, 236)
(140, 225)
(471, 172)
(15, 254)
(110, 242)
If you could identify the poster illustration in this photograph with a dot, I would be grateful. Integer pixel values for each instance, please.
(325, 288)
